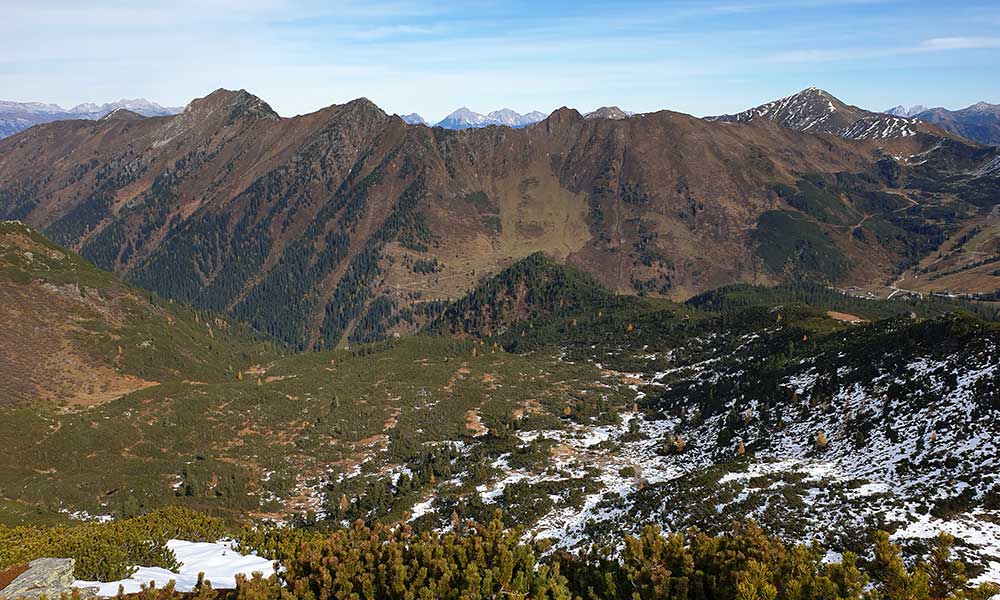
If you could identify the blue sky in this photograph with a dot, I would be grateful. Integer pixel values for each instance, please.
(700, 57)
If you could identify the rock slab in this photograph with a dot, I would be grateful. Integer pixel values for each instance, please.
(45, 576)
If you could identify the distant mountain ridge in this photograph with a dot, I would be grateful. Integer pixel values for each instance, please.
(464, 118)
(979, 122)
(18, 116)
(902, 111)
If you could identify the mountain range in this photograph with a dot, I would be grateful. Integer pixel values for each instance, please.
(340, 226)
(463, 118)
(902, 111)
(979, 122)
(18, 116)
(816, 110)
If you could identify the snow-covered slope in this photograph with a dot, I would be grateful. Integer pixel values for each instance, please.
(217, 561)
(879, 127)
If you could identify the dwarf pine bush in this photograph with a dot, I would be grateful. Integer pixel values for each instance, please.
(109, 551)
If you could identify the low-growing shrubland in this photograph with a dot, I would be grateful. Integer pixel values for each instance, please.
(109, 551)
(489, 560)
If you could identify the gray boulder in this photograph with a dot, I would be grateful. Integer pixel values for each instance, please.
(48, 577)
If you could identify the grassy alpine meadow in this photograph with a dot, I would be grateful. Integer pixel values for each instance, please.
(268, 440)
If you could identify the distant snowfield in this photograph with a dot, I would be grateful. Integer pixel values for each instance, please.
(218, 561)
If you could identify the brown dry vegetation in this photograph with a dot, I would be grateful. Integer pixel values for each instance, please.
(45, 351)
(78, 337)
(9, 574)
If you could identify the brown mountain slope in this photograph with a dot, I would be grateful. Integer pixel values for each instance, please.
(80, 336)
(339, 225)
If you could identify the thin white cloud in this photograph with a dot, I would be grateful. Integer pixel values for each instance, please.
(961, 43)
(938, 44)
(737, 8)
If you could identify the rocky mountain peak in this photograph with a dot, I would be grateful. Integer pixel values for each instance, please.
(237, 103)
(364, 106)
(563, 116)
(983, 106)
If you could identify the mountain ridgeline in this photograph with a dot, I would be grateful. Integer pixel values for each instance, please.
(979, 122)
(18, 116)
(348, 225)
(463, 118)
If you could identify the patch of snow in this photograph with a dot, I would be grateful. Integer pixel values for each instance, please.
(218, 561)
(421, 508)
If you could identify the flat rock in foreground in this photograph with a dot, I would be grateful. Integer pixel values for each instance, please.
(48, 577)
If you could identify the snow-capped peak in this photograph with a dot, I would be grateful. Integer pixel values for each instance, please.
(414, 119)
(463, 118)
(9, 107)
(983, 107)
(86, 107)
(902, 111)
(505, 116)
